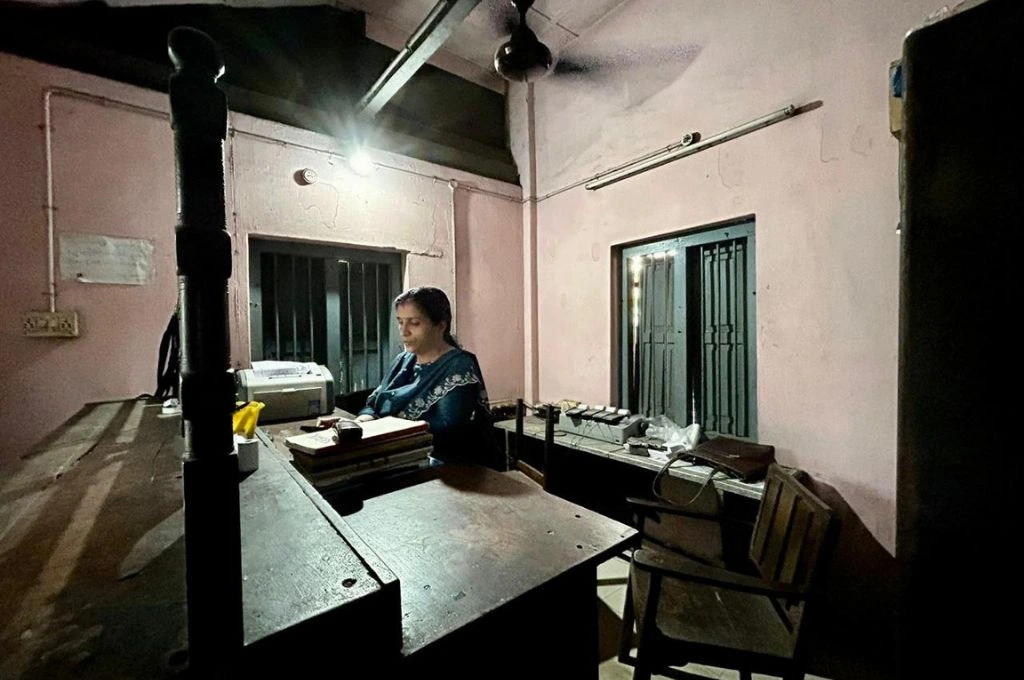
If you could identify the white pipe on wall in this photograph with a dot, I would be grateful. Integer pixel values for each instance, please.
(453, 185)
(690, 146)
(51, 209)
(673, 151)
(51, 276)
(50, 92)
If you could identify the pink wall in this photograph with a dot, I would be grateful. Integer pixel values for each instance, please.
(408, 205)
(823, 188)
(114, 175)
(489, 257)
(115, 179)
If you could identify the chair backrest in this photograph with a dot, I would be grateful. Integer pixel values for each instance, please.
(353, 402)
(515, 461)
(792, 530)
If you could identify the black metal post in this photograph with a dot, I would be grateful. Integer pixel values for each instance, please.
(518, 441)
(213, 565)
(550, 483)
(958, 480)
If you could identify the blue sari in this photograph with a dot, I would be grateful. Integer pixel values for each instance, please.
(449, 394)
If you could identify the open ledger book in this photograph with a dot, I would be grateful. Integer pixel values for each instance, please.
(375, 432)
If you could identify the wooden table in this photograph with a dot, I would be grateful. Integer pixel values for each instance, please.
(498, 577)
(483, 558)
(92, 556)
(601, 475)
(443, 575)
(533, 427)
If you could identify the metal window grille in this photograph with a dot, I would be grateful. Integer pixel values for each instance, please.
(688, 346)
(323, 304)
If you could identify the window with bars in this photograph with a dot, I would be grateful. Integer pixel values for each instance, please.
(324, 304)
(687, 330)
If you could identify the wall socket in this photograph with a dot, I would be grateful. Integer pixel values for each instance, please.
(50, 324)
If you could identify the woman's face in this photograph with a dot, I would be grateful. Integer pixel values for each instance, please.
(417, 331)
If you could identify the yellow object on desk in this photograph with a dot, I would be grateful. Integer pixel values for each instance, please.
(246, 414)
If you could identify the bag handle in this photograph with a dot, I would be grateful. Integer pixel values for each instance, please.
(679, 455)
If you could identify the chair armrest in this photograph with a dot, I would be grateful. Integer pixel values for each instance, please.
(668, 565)
(644, 505)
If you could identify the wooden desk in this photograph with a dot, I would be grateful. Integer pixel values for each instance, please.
(483, 557)
(93, 560)
(92, 556)
(533, 427)
(601, 475)
(486, 558)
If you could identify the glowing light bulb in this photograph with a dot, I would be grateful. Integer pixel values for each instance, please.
(361, 163)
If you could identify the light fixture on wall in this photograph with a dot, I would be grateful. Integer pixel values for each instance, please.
(361, 163)
(306, 176)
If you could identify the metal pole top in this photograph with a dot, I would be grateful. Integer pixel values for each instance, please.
(192, 50)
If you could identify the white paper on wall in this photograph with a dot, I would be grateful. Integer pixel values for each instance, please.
(94, 258)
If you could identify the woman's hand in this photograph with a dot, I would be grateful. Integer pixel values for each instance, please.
(365, 417)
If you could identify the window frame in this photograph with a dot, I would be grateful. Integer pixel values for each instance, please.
(680, 242)
(333, 255)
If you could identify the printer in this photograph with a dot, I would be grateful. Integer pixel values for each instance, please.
(289, 390)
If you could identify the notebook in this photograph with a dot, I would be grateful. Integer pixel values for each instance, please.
(341, 456)
(405, 460)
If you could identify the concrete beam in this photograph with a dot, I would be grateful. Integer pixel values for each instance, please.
(422, 44)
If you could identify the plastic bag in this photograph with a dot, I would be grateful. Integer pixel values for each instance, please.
(244, 419)
(676, 438)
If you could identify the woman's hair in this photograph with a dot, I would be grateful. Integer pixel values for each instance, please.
(435, 304)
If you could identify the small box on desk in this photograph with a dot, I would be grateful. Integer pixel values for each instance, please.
(248, 451)
(616, 433)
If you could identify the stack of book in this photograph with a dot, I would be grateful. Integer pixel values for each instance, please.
(387, 445)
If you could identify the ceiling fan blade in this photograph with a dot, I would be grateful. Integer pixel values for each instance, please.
(572, 63)
(568, 66)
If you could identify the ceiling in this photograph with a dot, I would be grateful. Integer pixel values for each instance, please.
(305, 63)
(468, 52)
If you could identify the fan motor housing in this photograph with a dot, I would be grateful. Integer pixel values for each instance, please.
(523, 61)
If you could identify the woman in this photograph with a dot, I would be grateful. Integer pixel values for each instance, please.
(434, 379)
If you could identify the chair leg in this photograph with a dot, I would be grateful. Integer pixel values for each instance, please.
(628, 619)
(642, 670)
(648, 632)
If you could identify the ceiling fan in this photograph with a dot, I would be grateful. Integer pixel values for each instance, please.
(524, 58)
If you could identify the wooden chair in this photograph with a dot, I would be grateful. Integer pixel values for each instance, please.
(687, 611)
(352, 402)
(515, 462)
